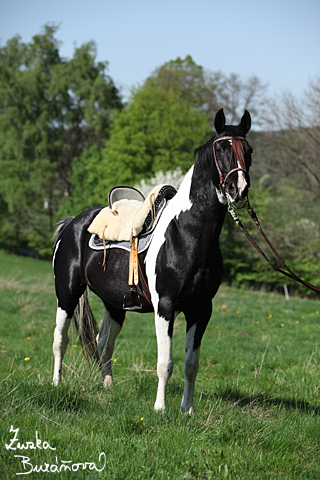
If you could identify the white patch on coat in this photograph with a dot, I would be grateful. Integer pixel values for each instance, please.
(165, 361)
(60, 342)
(55, 251)
(180, 203)
(222, 199)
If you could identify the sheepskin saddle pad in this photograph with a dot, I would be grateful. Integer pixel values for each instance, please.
(130, 214)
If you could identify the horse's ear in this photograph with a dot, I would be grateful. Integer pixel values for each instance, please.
(219, 121)
(245, 123)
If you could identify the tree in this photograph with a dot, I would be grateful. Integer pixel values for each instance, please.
(285, 193)
(165, 120)
(209, 91)
(235, 95)
(158, 130)
(294, 126)
(51, 109)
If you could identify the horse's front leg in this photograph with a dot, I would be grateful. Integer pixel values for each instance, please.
(191, 367)
(165, 360)
(197, 321)
(106, 338)
(60, 342)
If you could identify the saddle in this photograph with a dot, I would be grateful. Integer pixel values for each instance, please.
(129, 217)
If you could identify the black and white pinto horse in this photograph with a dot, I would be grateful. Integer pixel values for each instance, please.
(183, 264)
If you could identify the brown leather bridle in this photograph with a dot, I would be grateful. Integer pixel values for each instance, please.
(237, 152)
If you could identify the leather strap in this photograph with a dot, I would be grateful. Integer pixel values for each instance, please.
(287, 272)
(133, 263)
(237, 153)
(144, 286)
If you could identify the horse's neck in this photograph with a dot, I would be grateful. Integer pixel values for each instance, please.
(197, 196)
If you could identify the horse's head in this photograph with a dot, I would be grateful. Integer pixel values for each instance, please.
(232, 159)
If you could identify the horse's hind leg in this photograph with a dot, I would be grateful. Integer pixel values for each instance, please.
(60, 342)
(110, 329)
(66, 305)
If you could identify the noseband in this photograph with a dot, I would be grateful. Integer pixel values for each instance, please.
(237, 153)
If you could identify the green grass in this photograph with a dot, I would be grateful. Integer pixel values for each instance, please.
(257, 392)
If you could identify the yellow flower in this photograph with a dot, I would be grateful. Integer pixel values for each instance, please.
(297, 322)
(282, 324)
(26, 359)
(238, 311)
(257, 321)
(114, 359)
(270, 315)
(28, 338)
(141, 419)
(74, 345)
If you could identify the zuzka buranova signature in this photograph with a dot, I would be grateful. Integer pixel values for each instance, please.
(57, 467)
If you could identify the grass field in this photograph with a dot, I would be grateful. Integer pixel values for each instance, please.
(257, 395)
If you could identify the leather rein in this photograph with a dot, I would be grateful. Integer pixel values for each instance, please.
(288, 272)
(237, 152)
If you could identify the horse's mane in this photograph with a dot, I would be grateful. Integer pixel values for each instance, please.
(204, 149)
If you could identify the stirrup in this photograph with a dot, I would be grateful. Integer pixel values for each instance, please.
(132, 300)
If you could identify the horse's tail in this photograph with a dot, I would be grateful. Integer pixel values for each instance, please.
(60, 227)
(87, 327)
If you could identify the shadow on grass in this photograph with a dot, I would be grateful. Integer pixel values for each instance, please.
(245, 400)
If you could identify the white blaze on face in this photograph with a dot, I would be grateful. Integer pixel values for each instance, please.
(242, 182)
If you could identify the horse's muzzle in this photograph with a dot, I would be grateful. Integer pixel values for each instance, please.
(237, 186)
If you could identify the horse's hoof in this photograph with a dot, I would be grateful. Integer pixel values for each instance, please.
(108, 382)
(187, 410)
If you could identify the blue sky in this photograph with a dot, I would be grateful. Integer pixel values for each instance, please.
(276, 40)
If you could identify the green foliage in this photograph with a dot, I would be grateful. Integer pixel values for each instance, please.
(65, 141)
(83, 183)
(256, 397)
(158, 130)
(288, 217)
(50, 110)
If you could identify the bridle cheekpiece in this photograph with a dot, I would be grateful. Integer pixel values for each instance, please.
(237, 152)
